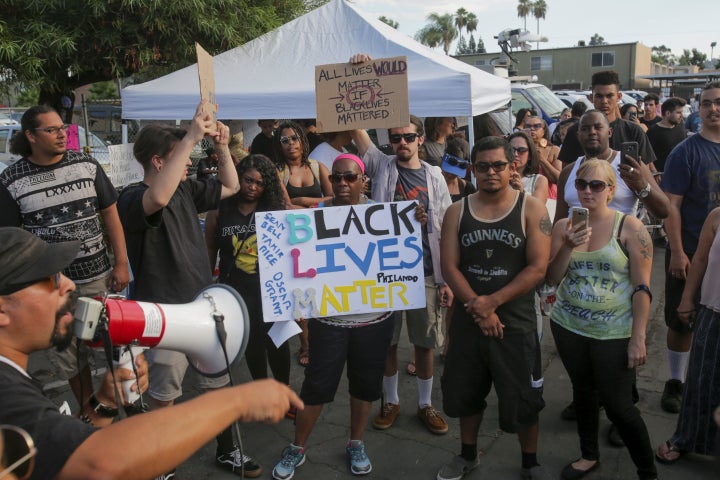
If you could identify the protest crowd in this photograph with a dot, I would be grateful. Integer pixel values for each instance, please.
(494, 264)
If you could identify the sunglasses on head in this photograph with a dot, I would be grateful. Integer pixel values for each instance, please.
(595, 185)
(484, 167)
(285, 140)
(409, 137)
(455, 161)
(348, 176)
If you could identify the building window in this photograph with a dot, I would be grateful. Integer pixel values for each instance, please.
(479, 63)
(541, 63)
(603, 59)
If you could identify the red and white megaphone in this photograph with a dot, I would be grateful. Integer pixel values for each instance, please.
(189, 328)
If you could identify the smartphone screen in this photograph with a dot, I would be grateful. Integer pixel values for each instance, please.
(628, 148)
(579, 215)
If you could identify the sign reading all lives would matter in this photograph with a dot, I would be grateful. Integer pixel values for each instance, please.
(373, 94)
(340, 260)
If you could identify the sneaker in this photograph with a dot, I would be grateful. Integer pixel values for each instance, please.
(292, 457)
(457, 468)
(359, 461)
(432, 420)
(672, 396)
(569, 413)
(386, 417)
(166, 476)
(614, 438)
(240, 464)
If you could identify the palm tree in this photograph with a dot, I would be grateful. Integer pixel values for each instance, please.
(389, 21)
(524, 8)
(539, 11)
(461, 20)
(441, 29)
(471, 23)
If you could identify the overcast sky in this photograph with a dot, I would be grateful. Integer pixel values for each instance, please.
(691, 23)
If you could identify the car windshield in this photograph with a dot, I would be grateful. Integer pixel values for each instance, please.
(547, 101)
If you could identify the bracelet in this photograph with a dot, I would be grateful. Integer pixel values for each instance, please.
(100, 408)
(642, 288)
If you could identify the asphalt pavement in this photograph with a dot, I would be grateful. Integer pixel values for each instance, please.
(409, 451)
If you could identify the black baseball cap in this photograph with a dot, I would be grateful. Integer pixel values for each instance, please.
(25, 258)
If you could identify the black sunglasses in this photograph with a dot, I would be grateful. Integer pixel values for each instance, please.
(595, 185)
(10, 289)
(409, 137)
(521, 150)
(285, 140)
(455, 161)
(349, 177)
(484, 167)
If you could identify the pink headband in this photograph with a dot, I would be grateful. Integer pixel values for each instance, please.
(354, 158)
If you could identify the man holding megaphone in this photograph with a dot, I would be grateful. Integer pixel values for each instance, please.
(35, 313)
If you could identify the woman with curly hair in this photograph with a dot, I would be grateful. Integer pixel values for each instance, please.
(231, 230)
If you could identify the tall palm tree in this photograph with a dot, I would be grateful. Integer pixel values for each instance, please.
(524, 8)
(471, 23)
(461, 20)
(441, 29)
(539, 11)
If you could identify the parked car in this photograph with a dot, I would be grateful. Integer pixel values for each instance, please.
(636, 94)
(568, 97)
(98, 148)
(538, 97)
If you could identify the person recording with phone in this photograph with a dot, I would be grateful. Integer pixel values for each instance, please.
(593, 134)
(602, 260)
(629, 112)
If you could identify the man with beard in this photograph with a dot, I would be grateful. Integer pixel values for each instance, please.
(495, 249)
(36, 302)
(668, 132)
(61, 195)
(404, 176)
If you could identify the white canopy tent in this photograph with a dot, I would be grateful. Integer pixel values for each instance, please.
(273, 75)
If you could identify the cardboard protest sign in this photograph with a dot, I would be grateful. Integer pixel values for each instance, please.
(73, 138)
(206, 73)
(373, 94)
(123, 169)
(340, 260)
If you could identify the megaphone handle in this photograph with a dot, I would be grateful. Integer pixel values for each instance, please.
(125, 361)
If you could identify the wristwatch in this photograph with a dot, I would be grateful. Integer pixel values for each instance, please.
(101, 409)
(644, 192)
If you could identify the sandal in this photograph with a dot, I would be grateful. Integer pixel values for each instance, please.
(668, 453)
(303, 358)
(410, 369)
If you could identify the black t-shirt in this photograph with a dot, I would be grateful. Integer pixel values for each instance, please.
(412, 185)
(167, 249)
(56, 436)
(663, 140)
(264, 145)
(622, 131)
(650, 123)
(314, 139)
(236, 240)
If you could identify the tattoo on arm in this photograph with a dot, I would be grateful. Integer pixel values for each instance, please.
(645, 243)
(546, 224)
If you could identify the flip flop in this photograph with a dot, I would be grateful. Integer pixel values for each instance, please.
(410, 369)
(668, 453)
(304, 358)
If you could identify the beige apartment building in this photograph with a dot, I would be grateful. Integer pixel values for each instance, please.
(572, 67)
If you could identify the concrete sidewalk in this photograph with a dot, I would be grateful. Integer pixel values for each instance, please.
(409, 451)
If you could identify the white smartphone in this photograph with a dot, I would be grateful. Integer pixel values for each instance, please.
(578, 215)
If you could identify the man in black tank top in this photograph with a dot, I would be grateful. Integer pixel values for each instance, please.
(495, 248)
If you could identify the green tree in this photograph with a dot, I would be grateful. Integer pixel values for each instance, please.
(471, 26)
(462, 47)
(103, 90)
(28, 97)
(59, 45)
(472, 46)
(480, 45)
(524, 8)
(539, 9)
(597, 39)
(694, 57)
(389, 21)
(440, 31)
(461, 21)
(663, 55)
